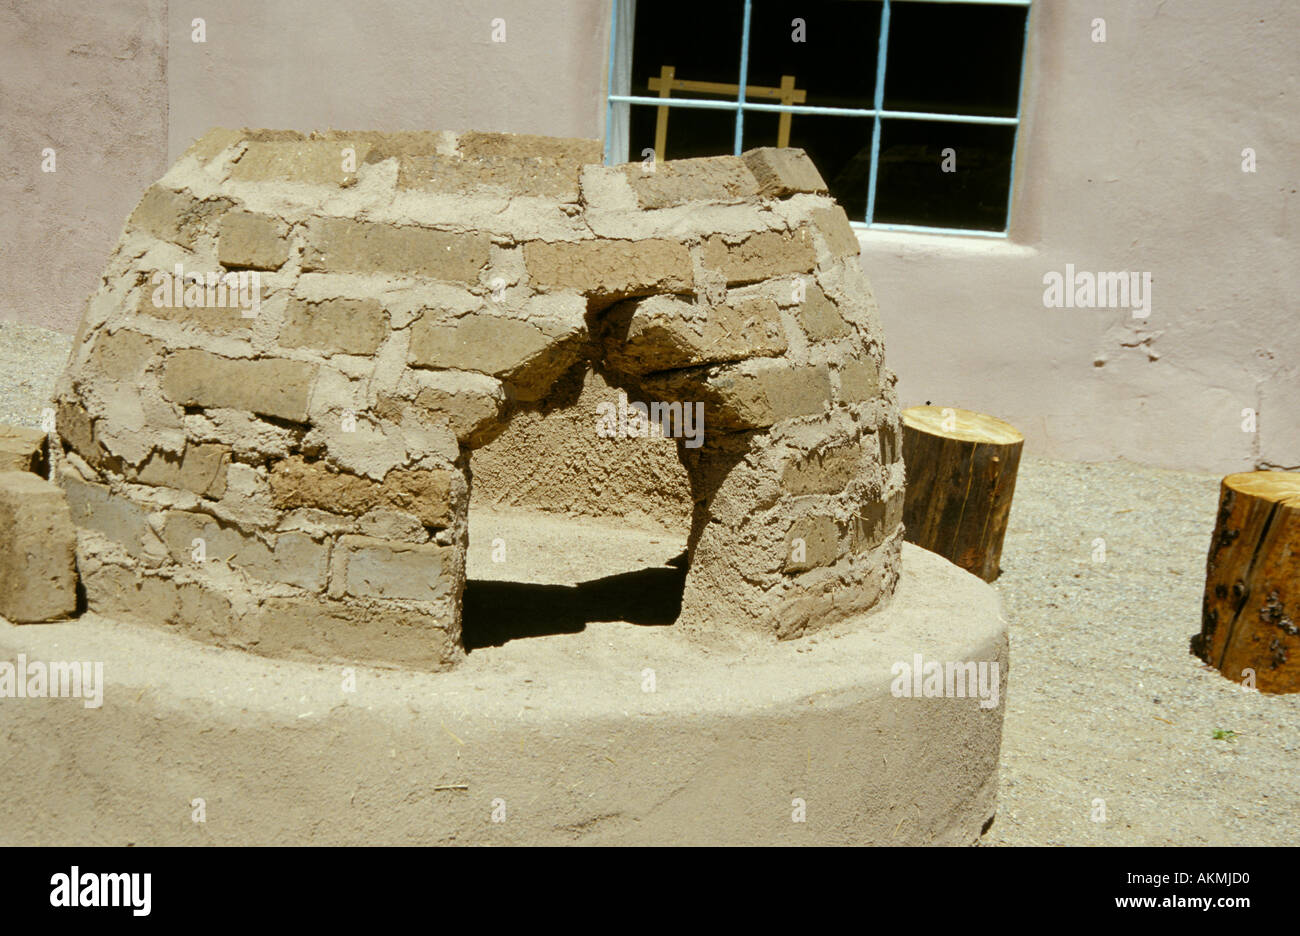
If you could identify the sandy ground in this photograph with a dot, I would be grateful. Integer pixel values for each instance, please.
(1108, 714)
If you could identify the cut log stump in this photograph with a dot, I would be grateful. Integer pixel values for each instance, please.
(961, 474)
(1251, 614)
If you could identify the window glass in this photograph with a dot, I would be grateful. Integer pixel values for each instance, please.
(701, 40)
(954, 58)
(691, 132)
(835, 63)
(913, 188)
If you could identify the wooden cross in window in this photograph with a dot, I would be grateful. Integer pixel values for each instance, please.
(668, 82)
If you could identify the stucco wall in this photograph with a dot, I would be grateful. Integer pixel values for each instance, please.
(402, 65)
(1129, 159)
(85, 78)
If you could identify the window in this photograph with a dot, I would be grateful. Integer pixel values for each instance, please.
(909, 108)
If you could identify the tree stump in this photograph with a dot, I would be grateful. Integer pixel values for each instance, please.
(1251, 615)
(961, 474)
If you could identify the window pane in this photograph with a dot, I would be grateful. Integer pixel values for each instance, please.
(954, 58)
(691, 132)
(835, 61)
(701, 40)
(912, 188)
(840, 147)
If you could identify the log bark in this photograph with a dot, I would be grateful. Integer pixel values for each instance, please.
(961, 475)
(1250, 618)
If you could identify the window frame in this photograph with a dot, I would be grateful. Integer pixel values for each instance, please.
(620, 73)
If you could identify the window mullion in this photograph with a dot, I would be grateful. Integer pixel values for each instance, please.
(744, 79)
(882, 50)
(620, 75)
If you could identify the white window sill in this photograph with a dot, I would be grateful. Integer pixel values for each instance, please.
(918, 244)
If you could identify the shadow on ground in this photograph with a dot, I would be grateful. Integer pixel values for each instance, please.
(497, 612)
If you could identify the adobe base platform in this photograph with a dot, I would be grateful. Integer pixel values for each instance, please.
(619, 734)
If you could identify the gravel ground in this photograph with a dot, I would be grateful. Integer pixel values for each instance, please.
(1106, 707)
(31, 359)
(1105, 701)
